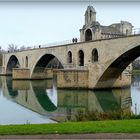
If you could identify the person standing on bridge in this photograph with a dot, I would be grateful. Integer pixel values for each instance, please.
(73, 40)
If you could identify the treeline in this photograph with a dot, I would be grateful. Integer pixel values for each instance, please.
(136, 64)
(15, 48)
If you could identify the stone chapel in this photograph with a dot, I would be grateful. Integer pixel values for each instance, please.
(93, 30)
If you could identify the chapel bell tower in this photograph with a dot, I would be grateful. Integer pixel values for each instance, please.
(90, 15)
(87, 33)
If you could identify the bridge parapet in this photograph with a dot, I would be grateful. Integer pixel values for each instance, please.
(58, 43)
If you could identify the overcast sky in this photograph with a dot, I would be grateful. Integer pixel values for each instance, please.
(38, 23)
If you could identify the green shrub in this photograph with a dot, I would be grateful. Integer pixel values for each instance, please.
(98, 116)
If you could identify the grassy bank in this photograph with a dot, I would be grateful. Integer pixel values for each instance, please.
(116, 126)
(136, 71)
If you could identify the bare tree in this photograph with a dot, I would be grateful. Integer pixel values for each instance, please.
(12, 48)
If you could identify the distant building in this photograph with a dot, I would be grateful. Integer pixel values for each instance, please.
(92, 29)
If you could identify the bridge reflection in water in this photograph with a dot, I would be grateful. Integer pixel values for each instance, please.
(62, 105)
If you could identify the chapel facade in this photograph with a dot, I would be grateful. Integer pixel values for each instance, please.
(93, 30)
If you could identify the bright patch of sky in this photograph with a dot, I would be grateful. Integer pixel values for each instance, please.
(38, 23)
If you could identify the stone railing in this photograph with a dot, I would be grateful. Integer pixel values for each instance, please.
(45, 45)
(59, 43)
(55, 44)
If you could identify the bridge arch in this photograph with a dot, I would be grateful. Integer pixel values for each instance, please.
(114, 70)
(44, 100)
(13, 62)
(45, 61)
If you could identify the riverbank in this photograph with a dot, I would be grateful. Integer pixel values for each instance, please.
(114, 126)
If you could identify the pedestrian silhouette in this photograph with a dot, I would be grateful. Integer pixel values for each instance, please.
(73, 40)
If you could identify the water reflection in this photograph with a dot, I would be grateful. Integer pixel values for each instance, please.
(101, 101)
(135, 93)
(62, 105)
(12, 108)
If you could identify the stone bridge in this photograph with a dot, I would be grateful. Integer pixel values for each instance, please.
(101, 61)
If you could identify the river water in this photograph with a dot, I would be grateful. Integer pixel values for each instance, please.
(24, 102)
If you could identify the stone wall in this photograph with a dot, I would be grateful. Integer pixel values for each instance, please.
(21, 73)
(24, 73)
(123, 81)
(72, 78)
(45, 74)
